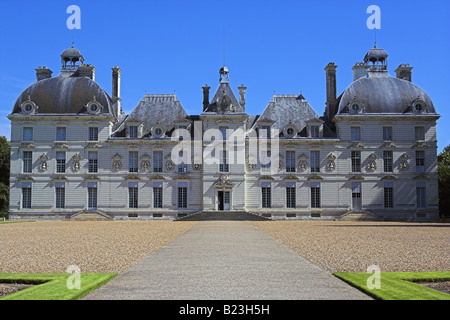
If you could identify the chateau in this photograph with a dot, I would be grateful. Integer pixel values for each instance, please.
(371, 155)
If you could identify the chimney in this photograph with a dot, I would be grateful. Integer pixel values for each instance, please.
(330, 70)
(43, 73)
(87, 70)
(360, 70)
(404, 72)
(205, 97)
(116, 89)
(242, 96)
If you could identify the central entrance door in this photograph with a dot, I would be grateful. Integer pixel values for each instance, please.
(224, 200)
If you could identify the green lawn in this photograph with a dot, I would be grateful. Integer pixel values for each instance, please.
(399, 285)
(53, 286)
(15, 221)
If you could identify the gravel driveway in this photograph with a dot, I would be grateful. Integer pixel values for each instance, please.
(95, 247)
(50, 247)
(354, 246)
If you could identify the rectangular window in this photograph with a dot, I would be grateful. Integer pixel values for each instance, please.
(421, 195)
(420, 161)
(182, 167)
(223, 165)
(27, 162)
(266, 195)
(133, 132)
(157, 195)
(290, 161)
(265, 167)
(388, 195)
(182, 195)
(27, 133)
(387, 161)
(133, 161)
(315, 161)
(387, 133)
(60, 134)
(290, 194)
(133, 195)
(60, 195)
(92, 195)
(223, 132)
(419, 133)
(356, 161)
(157, 161)
(314, 131)
(60, 161)
(355, 133)
(93, 161)
(26, 195)
(315, 194)
(183, 133)
(93, 133)
(356, 196)
(265, 132)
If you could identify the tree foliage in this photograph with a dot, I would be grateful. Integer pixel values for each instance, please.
(444, 181)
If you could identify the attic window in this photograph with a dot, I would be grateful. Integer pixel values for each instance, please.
(28, 106)
(355, 108)
(93, 107)
(290, 131)
(419, 106)
(157, 132)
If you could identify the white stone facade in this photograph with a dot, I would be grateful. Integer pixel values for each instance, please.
(360, 160)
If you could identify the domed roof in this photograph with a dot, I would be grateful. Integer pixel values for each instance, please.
(375, 54)
(381, 93)
(71, 52)
(64, 94)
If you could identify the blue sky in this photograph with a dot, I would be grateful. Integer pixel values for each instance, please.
(270, 46)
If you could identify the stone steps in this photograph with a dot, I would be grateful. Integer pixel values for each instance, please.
(223, 215)
(94, 215)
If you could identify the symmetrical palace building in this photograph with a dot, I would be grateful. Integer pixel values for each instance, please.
(372, 155)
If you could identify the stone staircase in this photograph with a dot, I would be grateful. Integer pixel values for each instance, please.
(362, 215)
(223, 215)
(90, 215)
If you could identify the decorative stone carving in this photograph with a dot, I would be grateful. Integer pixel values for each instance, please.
(223, 182)
(196, 166)
(43, 165)
(170, 165)
(76, 162)
(302, 162)
(371, 163)
(117, 162)
(404, 164)
(331, 164)
(145, 162)
(251, 163)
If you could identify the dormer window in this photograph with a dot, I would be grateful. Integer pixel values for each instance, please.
(133, 132)
(157, 132)
(419, 106)
(355, 108)
(28, 107)
(93, 107)
(315, 131)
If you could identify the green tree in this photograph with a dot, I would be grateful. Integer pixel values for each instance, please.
(444, 182)
(5, 154)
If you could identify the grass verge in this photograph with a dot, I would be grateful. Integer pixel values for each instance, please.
(399, 285)
(53, 286)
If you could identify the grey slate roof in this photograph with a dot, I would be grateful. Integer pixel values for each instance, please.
(66, 93)
(224, 89)
(161, 109)
(381, 93)
(285, 108)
